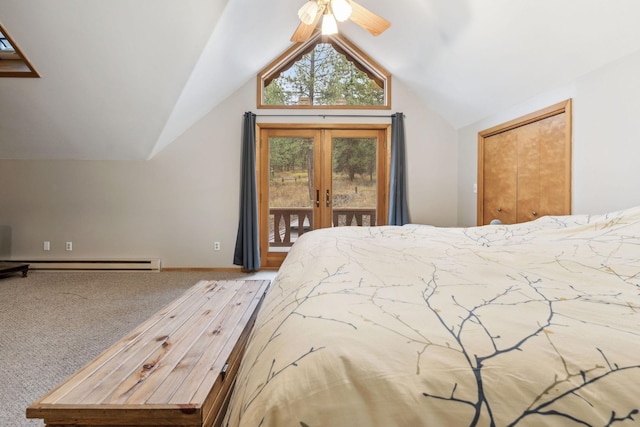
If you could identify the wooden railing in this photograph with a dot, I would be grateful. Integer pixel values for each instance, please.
(288, 224)
(354, 216)
(291, 223)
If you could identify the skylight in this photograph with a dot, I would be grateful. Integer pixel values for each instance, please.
(5, 46)
(12, 62)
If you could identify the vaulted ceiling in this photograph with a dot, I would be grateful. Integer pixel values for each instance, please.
(122, 79)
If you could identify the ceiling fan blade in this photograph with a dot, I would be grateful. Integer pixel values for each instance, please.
(304, 31)
(368, 20)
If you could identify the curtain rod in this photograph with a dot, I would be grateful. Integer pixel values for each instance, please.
(326, 115)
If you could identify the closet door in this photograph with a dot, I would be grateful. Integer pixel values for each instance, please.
(528, 169)
(524, 167)
(555, 165)
(500, 175)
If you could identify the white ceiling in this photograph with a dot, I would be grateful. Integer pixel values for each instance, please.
(121, 79)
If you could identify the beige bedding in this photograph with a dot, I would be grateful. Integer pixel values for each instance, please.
(536, 324)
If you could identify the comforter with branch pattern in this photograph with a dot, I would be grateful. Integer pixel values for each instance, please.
(534, 324)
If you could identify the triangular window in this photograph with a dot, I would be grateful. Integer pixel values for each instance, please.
(12, 62)
(324, 72)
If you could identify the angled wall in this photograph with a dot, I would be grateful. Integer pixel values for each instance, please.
(174, 206)
(606, 107)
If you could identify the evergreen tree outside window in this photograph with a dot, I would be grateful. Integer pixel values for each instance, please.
(327, 72)
(324, 77)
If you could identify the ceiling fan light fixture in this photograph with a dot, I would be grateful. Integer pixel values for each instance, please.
(329, 24)
(341, 9)
(308, 12)
(332, 12)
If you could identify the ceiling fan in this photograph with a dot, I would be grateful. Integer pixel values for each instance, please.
(335, 10)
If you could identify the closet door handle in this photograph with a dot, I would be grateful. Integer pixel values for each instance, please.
(327, 199)
(317, 198)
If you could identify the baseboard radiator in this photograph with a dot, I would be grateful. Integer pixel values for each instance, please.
(93, 264)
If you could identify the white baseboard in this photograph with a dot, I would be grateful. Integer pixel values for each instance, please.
(92, 264)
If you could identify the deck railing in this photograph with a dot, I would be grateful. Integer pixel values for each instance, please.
(291, 223)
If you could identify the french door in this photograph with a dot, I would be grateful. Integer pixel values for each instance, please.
(313, 177)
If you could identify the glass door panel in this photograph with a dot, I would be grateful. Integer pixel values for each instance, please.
(291, 190)
(354, 181)
(310, 178)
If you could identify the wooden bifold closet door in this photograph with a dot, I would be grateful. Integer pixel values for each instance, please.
(524, 167)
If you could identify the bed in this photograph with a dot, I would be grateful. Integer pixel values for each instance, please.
(533, 324)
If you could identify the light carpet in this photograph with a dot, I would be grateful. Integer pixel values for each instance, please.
(53, 323)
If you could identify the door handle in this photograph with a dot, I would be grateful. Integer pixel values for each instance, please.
(327, 199)
(317, 198)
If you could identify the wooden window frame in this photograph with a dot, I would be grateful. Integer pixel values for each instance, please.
(19, 67)
(344, 46)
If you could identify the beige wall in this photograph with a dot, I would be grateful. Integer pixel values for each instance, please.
(174, 206)
(606, 144)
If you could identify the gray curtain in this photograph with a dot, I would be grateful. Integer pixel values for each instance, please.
(398, 210)
(247, 253)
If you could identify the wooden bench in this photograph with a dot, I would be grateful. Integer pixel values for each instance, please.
(175, 369)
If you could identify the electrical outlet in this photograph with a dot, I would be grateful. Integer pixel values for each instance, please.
(47, 245)
(216, 246)
(69, 246)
